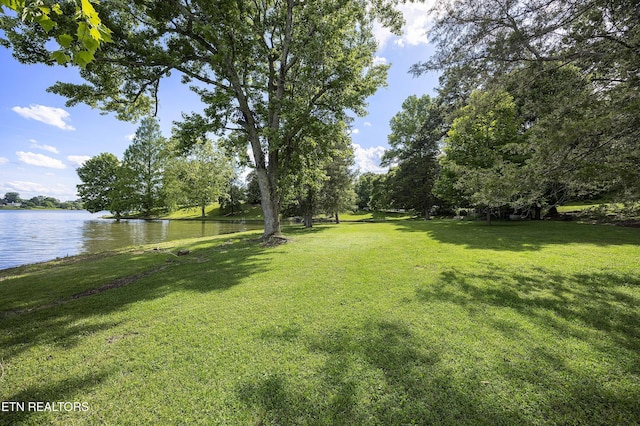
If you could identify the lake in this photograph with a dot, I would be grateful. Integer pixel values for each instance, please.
(30, 236)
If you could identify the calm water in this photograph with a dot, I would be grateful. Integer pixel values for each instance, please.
(31, 236)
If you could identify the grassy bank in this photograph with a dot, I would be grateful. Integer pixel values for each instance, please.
(360, 323)
(214, 212)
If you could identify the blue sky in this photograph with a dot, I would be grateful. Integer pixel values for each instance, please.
(42, 142)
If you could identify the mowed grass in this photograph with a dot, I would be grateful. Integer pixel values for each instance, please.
(401, 322)
(214, 212)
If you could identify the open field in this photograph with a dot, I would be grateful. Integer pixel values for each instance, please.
(401, 322)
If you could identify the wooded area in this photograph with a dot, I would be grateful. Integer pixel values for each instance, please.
(538, 101)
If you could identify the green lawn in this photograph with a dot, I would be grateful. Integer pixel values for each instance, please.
(401, 322)
(213, 211)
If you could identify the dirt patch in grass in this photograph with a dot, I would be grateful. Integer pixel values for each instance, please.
(120, 282)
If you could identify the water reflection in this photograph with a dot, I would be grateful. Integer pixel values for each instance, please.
(98, 236)
(35, 236)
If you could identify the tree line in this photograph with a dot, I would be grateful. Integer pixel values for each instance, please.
(159, 174)
(538, 100)
(155, 176)
(538, 104)
(14, 199)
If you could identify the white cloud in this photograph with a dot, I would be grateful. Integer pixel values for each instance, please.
(39, 160)
(367, 124)
(414, 31)
(368, 159)
(355, 131)
(4, 160)
(78, 159)
(49, 115)
(379, 60)
(130, 137)
(31, 189)
(36, 145)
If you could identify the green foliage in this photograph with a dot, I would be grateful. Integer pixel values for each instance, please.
(98, 176)
(483, 151)
(416, 134)
(337, 192)
(144, 162)
(521, 323)
(323, 181)
(39, 201)
(363, 188)
(12, 197)
(233, 197)
(572, 67)
(199, 177)
(253, 188)
(56, 20)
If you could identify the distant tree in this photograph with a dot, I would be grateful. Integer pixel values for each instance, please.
(337, 193)
(483, 150)
(253, 188)
(416, 134)
(313, 166)
(98, 175)
(12, 197)
(51, 202)
(234, 194)
(201, 176)
(363, 188)
(145, 159)
(125, 196)
(380, 192)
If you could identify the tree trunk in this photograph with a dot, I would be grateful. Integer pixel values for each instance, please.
(308, 221)
(426, 213)
(270, 205)
(488, 216)
(307, 208)
(337, 218)
(537, 212)
(202, 207)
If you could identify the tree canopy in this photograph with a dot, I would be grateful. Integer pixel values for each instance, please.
(275, 73)
(573, 67)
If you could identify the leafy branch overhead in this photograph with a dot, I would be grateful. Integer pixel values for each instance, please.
(75, 26)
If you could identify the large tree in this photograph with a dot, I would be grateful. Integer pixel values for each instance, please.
(99, 177)
(483, 150)
(416, 133)
(480, 41)
(145, 161)
(273, 72)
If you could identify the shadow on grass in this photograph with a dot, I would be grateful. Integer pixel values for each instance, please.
(520, 236)
(380, 373)
(211, 266)
(597, 313)
(597, 301)
(214, 267)
(67, 390)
